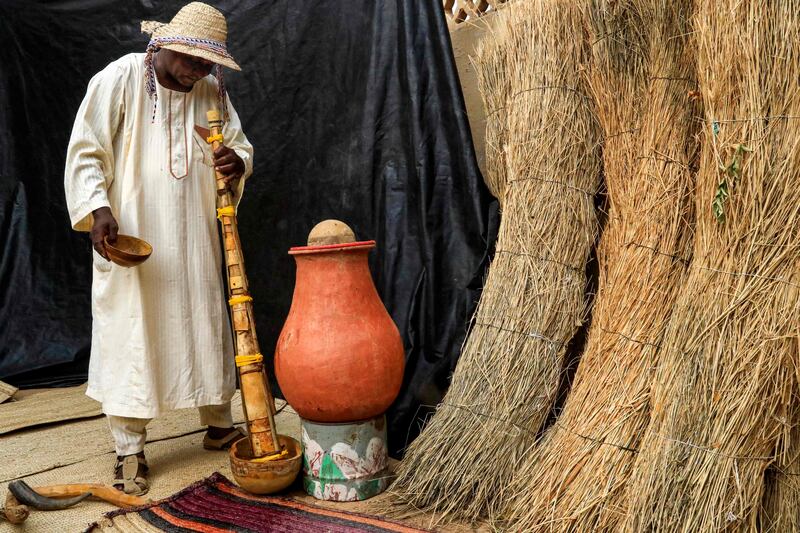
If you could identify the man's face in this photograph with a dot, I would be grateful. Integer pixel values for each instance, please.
(185, 69)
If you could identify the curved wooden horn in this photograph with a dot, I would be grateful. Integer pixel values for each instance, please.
(26, 495)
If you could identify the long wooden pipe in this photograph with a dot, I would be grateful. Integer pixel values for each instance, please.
(257, 400)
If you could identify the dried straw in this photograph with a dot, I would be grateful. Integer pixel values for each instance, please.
(641, 76)
(726, 374)
(781, 506)
(534, 296)
(495, 86)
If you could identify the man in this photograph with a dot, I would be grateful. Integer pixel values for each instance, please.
(137, 164)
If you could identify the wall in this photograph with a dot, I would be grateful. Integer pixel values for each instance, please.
(465, 38)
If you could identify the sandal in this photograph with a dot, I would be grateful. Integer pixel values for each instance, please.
(223, 443)
(130, 472)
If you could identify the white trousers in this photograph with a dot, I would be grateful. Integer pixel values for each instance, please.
(130, 434)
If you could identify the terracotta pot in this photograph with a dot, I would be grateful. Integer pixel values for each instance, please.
(339, 357)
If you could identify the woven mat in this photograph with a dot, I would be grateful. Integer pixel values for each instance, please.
(6, 391)
(46, 407)
(24, 453)
(217, 505)
(174, 464)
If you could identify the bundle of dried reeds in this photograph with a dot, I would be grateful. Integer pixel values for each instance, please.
(726, 371)
(781, 507)
(642, 75)
(533, 299)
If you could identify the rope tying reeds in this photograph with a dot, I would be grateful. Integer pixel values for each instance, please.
(683, 260)
(540, 258)
(530, 334)
(555, 182)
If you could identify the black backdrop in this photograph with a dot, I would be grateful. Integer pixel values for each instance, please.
(355, 112)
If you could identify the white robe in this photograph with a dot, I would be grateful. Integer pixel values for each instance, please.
(161, 335)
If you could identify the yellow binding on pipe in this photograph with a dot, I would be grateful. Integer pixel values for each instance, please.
(240, 299)
(217, 137)
(244, 360)
(228, 211)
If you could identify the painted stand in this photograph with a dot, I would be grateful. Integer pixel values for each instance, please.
(345, 462)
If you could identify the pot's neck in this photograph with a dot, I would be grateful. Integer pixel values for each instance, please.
(334, 274)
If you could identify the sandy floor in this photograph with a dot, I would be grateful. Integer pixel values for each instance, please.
(82, 451)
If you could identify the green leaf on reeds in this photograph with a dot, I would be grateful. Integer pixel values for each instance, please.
(717, 206)
(732, 171)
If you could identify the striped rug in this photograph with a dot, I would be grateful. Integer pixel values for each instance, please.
(215, 505)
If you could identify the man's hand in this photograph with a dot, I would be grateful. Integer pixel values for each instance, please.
(229, 164)
(104, 225)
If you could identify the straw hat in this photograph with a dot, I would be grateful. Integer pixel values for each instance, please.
(198, 30)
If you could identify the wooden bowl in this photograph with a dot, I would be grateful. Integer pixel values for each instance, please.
(128, 251)
(268, 477)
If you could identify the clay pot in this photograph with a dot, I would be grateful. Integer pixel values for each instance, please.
(339, 357)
